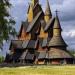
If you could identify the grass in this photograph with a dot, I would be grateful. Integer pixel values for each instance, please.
(39, 70)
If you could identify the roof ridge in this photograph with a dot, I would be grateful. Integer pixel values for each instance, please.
(33, 22)
(49, 24)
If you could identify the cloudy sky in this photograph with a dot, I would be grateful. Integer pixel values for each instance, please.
(66, 14)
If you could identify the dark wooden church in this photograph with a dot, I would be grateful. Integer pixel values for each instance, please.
(39, 40)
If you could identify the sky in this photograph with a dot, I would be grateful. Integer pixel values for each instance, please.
(66, 12)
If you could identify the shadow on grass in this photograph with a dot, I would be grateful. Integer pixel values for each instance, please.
(14, 65)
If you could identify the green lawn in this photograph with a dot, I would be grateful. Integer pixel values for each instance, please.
(39, 70)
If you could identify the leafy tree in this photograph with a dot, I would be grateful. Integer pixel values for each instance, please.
(6, 22)
(73, 52)
(1, 59)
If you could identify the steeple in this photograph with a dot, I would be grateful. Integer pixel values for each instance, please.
(57, 40)
(33, 10)
(48, 14)
(34, 2)
(30, 13)
(57, 28)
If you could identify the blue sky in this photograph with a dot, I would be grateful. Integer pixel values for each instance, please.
(66, 14)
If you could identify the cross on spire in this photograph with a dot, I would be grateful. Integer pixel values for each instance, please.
(56, 12)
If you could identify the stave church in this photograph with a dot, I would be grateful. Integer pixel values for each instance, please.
(39, 40)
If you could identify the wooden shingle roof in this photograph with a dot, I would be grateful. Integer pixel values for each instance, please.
(58, 53)
(50, 24)
(37, 5)
(30, 27)
(42, 55)
(43, 42)
(16, 44)
(23, 25)
(34, 7)
(27, 44)
(30, 44)
(57, 41)
(22, 57)
(29, 56)
(57, 23)
(43, 24)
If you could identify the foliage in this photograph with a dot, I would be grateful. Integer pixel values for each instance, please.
(1, 59)
(6, 22)
(72, 51)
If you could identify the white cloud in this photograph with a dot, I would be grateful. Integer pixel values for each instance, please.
(70, 34)
(19, 2)
(66, 9)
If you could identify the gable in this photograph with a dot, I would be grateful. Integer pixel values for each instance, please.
(22, 33)
(36, 9)
(43, 34)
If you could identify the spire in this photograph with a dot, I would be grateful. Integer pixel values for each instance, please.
(57, 27)
(57, 39)
(30, 13)
(48, 13)
(48, 10)
(34, 2)
(57, 22)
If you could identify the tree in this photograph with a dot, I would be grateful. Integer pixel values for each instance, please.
(6, 22)
(1, 59)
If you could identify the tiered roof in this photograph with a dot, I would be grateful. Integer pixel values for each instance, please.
(31, 45)
(58, 54)
(27, 44)
(57, 41)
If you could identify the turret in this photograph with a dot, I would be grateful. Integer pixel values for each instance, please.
(57, 40)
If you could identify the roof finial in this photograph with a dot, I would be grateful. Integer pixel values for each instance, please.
(56, 12)
(57, 22)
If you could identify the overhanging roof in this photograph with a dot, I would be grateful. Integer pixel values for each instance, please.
(57, 41)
